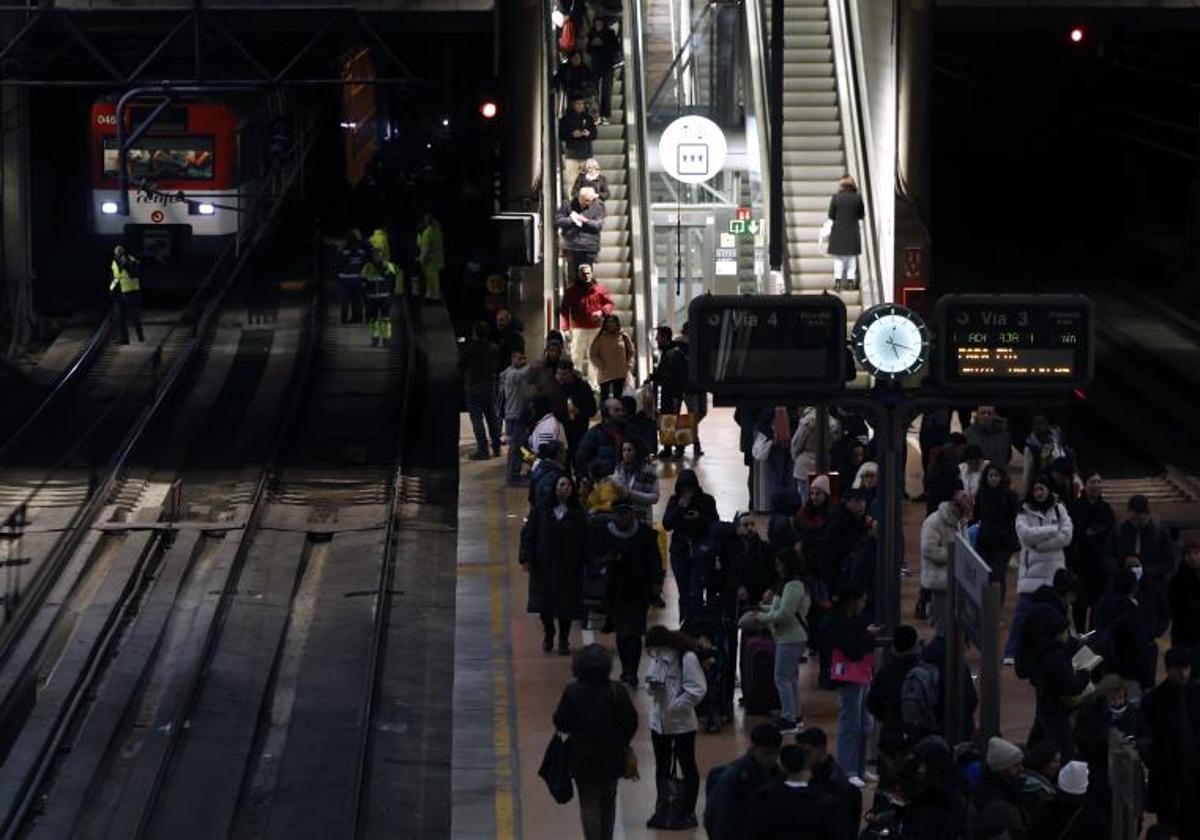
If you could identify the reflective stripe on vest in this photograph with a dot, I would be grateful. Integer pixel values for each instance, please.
(121, 277)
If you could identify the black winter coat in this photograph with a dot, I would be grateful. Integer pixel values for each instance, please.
(634, 570)
(1172, 713)
(783, 813)
(1092, 725)
(883, 701)
(1056, 679)
(581, 394)
(556, 550)
(601, 720)
(671, 373)
(846, 210)
(1156, 549)
(1183, 594)
(577, 148)
(1132, 640)
(747, 562)
(1071, 818)
(585, 237)
(842, 535)
(1093, 521)
(996, 512)
(831, 778)
(996, 805)
(727, 811)
(684, 531)
(600, 185)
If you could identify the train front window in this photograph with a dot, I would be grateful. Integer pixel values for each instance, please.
(187, 158)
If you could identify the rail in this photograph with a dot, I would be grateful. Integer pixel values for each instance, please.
(202, 307)
(387, 571)
(848, 64)
(75, 371)
(550, 173)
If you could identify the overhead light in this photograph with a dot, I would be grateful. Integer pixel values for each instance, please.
(489, 109)
(445, 122)
(109, 208)
(206, 209)
(428, 145)
(557, 18)
(350, 126)
(1076, 35)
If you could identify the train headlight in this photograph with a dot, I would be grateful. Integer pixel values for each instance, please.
(109, 208)
(205, 209)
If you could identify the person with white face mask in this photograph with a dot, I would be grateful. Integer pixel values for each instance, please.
(1124, 631)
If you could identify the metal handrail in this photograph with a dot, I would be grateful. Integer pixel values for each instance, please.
(847, 65)
(756, 71)
(551, 177)
(683, 48)
(638, 177)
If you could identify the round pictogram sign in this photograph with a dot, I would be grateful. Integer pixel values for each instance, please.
(156, 216)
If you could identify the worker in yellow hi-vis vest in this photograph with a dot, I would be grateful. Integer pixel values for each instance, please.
(380, 280)
(431, 255)
(379, 242)
(126, 293)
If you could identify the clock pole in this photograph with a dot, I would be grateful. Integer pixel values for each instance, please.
(891, 531)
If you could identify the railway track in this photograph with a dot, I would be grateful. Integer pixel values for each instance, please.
(217, 671)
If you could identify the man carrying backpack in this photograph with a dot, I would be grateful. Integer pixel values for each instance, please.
(884, 696)
(730, 789)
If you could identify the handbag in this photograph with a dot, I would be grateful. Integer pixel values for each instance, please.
(761, 449)
(825, 233)
(675, 789)
(556, 769)
(843, 669)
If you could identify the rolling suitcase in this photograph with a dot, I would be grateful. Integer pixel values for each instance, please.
(758, 673)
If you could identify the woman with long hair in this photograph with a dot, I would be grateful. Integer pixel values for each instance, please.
(786, 616)
(554, 545)
(677, 685)
(846, 210)
(996, 509)
(611, 356)
(1044, 530)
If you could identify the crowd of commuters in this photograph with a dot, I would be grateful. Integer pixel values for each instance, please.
(753, 606)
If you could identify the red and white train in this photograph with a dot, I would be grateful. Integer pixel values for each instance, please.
(193, 149)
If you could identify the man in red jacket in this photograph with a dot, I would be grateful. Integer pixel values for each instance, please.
(580, 315)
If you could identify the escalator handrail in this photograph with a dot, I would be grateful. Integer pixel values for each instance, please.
(845, 38)
(638, 169)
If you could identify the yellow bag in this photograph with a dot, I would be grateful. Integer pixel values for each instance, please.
(676, 429)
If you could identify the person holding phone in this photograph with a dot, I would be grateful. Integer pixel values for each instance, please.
(689, 515)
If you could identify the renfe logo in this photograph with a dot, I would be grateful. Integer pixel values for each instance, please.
(106, 119)
(144, 197)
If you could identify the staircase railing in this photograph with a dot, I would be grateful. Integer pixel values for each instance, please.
(638, 181)
(755, 72)
(848, 67)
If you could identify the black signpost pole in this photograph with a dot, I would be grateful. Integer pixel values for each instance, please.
(954, 653)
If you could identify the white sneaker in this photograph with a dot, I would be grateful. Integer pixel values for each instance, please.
(857, 782)
(1008, 660)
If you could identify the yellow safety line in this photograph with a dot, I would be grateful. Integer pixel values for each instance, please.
(501, 729)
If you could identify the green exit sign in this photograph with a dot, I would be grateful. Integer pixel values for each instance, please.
(745, 227)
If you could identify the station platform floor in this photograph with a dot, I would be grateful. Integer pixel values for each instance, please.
(506, 687)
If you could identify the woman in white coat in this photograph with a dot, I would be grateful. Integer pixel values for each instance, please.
(1044, 530)
(937, 547)
(677, 685)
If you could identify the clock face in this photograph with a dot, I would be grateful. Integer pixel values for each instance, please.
(891, 341)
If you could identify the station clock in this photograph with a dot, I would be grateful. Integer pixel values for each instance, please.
(890, 342)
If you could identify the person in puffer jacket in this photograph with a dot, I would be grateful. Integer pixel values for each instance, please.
(1044, 530)
(937, 547)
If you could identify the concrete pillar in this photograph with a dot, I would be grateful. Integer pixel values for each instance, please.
(15, 245)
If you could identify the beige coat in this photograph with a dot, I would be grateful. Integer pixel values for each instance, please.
(611, 355)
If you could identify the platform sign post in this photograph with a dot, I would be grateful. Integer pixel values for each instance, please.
(973, 604)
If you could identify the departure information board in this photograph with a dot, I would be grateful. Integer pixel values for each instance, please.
(1017, 341)
(767, 345)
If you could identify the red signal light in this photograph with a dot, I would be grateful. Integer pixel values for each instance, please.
(488, 110)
